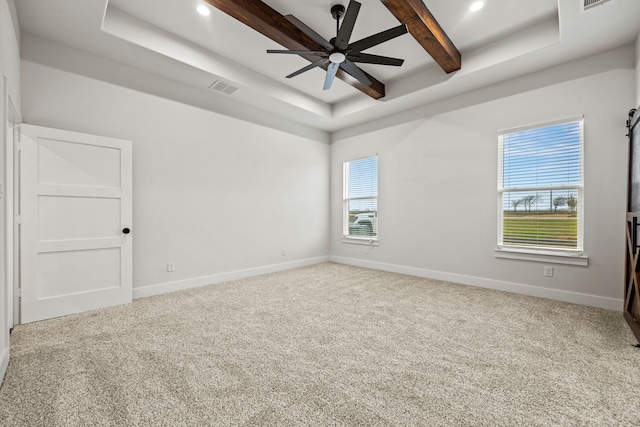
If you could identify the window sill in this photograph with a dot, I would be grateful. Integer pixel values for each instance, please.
(553, 257)
(371, 241)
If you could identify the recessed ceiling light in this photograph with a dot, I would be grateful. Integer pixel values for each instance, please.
(476, 6)
(203, 10)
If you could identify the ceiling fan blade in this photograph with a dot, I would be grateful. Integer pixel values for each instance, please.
(331, 74)
(299, 52)
(311, 66)
(309, 32)
(376, 39)
(355, 72)
(375, 59)
(346, 28)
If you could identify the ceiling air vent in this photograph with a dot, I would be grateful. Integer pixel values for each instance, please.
(223, 87)
(590, 4)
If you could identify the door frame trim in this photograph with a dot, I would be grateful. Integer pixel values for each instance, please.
(14, 120)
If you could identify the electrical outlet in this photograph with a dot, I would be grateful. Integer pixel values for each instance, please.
(548, 271)
(171, 267)
(284, 251)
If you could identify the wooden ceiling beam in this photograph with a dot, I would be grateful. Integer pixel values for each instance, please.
(269, 22)
(426, 30)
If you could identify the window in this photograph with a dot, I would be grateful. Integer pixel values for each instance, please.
(361, 198)
(540, 187)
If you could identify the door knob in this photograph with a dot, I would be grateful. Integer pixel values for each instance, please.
(126, 230)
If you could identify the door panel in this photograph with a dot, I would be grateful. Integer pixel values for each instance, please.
(632, 278)
(72, 163)
(63, 273)
(631, 307)
(57, 219)
(75, 202)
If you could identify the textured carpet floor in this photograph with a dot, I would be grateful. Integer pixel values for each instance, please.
(326, 345)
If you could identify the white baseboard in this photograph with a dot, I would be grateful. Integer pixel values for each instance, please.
(162, 288)
(516, 288)
(4, 364)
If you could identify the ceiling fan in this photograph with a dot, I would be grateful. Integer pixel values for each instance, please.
(338, 52)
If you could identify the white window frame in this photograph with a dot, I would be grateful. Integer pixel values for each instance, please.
(346, 238)
(542, 254)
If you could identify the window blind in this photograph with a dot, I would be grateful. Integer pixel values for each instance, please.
(361, 197)
(540, 188)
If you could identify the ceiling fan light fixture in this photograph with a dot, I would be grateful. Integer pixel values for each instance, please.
(203, 10)
(337, 57)
(476, 6)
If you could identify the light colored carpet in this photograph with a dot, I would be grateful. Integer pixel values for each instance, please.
(326, 345)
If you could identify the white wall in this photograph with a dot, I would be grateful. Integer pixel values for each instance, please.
(9, 49)
(438, 182)
(9, 90)
(638, 70)
(218, 196)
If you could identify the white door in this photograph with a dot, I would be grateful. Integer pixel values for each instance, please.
(75, 213)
